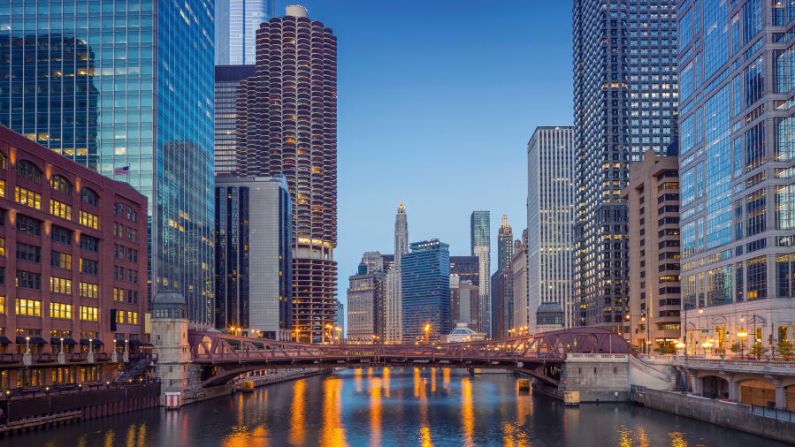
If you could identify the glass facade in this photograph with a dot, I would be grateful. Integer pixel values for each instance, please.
(625, 99)
(81, 78)
(426, 290)
(227, 78)
(236, 23)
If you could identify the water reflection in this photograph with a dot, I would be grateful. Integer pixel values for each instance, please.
(392, 407)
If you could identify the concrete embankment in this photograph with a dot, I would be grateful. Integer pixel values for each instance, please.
(726, 414)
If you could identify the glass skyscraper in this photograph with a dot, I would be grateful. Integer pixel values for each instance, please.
(625, 98)
(236, 24)
(81, 77)
(480, 242)
(737, 146)
(426, 290)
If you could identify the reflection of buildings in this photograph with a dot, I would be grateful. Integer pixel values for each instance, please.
(52, 97)
(227, 78)
(253, 256)
(426, 290)
(127, 114)
(287, 124)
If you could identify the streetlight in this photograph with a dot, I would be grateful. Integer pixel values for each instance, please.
(339, 334)
(427, 330)
(742, 335)
(680, 345)
(707, 345)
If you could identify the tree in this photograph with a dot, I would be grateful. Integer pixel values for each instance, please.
(735, 348)
(785, 347)
(757, 350)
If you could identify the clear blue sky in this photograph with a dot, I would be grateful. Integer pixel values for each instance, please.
(437, 100)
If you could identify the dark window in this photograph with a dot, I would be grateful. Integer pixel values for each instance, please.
(61, 235)
(28, 280)
(29, 171)
(89, 266)
(29, 253)
(89, 243)
(28, 225)
(87, 195)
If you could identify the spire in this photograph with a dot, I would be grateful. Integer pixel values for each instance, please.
(401, 207)
(504, 221)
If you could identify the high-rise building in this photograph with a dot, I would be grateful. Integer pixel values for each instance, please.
(467, 269)
(131, 108)
(253, 264)
(227, 78)
(654, 290)
(426, 290)
(736, 155)
(501, 302)
(464, 299)
(236, 24)
(520, 277)
(74, 264)
(480, 243)
(287, 123)
(625, 99)
(393, 315)
(551, 205)
(339, 321)
(504, 244)
(366, 300)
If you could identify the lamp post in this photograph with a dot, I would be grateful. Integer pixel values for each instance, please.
(646, 345)
(90, 357)
(707, 345)
(61, 355)
(680, 346)
(742, 335)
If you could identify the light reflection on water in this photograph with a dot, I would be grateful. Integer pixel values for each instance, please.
(392, 407)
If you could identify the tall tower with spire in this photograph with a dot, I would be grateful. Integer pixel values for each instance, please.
(504, 244)
(393, 314)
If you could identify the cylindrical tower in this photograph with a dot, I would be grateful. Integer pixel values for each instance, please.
(289, 109)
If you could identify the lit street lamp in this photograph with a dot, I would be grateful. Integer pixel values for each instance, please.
(427, 330)
(742, 335)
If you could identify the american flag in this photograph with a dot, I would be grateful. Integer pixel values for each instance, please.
(124, 170)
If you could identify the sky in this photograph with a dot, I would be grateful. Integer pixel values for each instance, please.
(437, 101)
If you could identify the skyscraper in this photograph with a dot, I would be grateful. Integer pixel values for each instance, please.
(501, 302)
(252, 255)
(426, 290)
(625, 90)
(520, 277)
(236, 24)
(504, 244)
(287, 123)
(366, 300)
(480, 244)
(736, 154)
(550, 223)
(227, 78)
(134, 117)
(393, 315)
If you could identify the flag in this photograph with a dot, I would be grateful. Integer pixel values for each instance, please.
(124, 170)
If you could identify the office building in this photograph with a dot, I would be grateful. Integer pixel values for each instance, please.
(551, 205)
(339, 326)
(426, 290)
(504, 244)
(654, 291)
(287, 123)
(236, 24)
(501, 302)
(736, 148)
(129, 106)
(480, 243)
(467, 269)
(393, 314)
(227, 78)
(74, 271)
(366, 297)
(625, 99)
(253, 265)
(519, 274)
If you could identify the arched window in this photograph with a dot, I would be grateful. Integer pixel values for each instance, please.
(29, 171)
(89, 196)
(61, 184)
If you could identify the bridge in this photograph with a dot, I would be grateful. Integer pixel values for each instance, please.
(223, 357)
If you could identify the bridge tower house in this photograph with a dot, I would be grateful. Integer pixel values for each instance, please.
(170, 339)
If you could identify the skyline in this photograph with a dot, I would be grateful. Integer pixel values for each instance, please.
(389, 80)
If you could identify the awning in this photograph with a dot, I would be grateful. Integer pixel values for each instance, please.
(67, 341)
(94, 342)
(135, 342)
(4, 340)
(33, 340)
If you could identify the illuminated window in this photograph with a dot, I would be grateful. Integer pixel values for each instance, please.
(60, 209)
(2, 246)
(89, 220)
(132, 317)
(61, 260)
(118, 295)
(2, 305)
(2, 188)
(60, 285)
(88, 290)
(61, 310)
(60, 184)
(28, 308)
(27, 197)
(89, 313)
(120, 317)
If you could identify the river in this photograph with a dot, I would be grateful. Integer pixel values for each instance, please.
(392, 407)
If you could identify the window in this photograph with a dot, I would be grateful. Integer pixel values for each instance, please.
(2, 246)
(89, 290)
(61, 235)
(89, 243)
(2, 188)
(2, 305)
(60, 285)
(28, 308)
(28, 225)
(89, 266)
(89, 313)
(89, 220)
(120, 317)
(27, 197)
(61, 310)
(132, 317)
(28, 280)
(29, 171)
(61, 184)
(60, 209)
(132, 296)
(757, 279)
(29, 253)
(61, 260)
(118, 295)
(89, 196)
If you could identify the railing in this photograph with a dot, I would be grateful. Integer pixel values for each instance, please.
(736, 364)
(575, 356)
(781, 415)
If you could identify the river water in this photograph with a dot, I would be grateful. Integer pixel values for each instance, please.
(392, 407)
